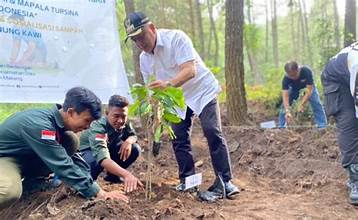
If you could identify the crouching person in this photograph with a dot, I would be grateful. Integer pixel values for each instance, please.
(37, 142)
(111, 144)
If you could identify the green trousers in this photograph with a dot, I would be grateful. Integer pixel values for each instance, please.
(13, 169)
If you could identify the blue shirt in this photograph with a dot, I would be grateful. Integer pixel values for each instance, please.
(305, 78)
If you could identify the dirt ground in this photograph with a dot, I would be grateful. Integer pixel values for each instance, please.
(283, 174)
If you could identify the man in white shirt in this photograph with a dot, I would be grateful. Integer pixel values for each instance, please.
(340, 82)
(169, 55)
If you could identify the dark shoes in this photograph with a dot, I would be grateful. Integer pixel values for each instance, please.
(230, 188)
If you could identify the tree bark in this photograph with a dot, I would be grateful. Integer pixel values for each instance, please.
(213, 32)
(162, 13)
(293, 29)
(336, 25)
(305, 33)
(350, 23)
(266, 31)
(274, 32)
(250, 51)
(200, 28)
(234, 66)
(192, 20)
(129, 7)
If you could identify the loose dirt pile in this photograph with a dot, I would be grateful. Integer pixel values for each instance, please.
(284, 174)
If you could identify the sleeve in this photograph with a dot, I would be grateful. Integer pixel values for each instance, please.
(184, 50)
(284, 83)
(56, 158)
(98, 142)
(309, 75)
(128, 131)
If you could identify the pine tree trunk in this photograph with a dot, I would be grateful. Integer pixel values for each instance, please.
(274, 33)
(305, 33)
(350, 23)
(293, 30)
(250, 52)
(266, 31)
(201, 31)
(336, 25)
(129, 7)
(213, 33)
(234, 66)
(192, 20)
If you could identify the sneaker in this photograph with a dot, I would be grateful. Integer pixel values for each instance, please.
(353, 183)
(181, 188)
(56, 181)
(353, 192)
(230, 188)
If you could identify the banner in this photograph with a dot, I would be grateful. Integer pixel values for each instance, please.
(48, 47)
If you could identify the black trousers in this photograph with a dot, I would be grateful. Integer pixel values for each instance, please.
(211, 125)
(339, 103)
(96, 168)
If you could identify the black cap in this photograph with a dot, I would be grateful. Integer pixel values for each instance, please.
(134, 23)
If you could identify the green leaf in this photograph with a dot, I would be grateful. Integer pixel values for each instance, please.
(177, 96)
(169, 130)
(158, 133)
(145, 108)
(133, 109)
(139, 91)
(171, 117)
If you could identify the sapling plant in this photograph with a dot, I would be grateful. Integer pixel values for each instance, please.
(159, 108)
(298, 118)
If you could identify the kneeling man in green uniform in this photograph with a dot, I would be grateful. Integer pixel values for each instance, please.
(111, 144)
(37, 142)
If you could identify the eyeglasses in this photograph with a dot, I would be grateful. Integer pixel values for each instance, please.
(139, 37)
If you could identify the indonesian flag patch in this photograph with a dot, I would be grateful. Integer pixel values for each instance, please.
(101, 137)
(48, 135)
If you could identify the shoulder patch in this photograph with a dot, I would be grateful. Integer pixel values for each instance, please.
(48, 135)
(101, 137)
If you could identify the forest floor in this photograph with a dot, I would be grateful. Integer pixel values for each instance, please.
(283, 174)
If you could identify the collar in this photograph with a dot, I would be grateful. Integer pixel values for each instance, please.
(58, 117)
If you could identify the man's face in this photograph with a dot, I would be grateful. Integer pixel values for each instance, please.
(78, 121)
(146, 40)
(293, 74)
(117, 117)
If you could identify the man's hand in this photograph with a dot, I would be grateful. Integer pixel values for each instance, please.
(159, 84)
(131, 183)
(117, 195)
(301, 108)
(125, 150)
(288, 117)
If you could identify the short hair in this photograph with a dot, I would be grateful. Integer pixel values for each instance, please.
(83, 99)
(291, 66)
(118, 101)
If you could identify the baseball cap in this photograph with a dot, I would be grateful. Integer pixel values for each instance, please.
(134, 23)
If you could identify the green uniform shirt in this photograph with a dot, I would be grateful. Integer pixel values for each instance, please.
(101, 137)
(37, 132)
